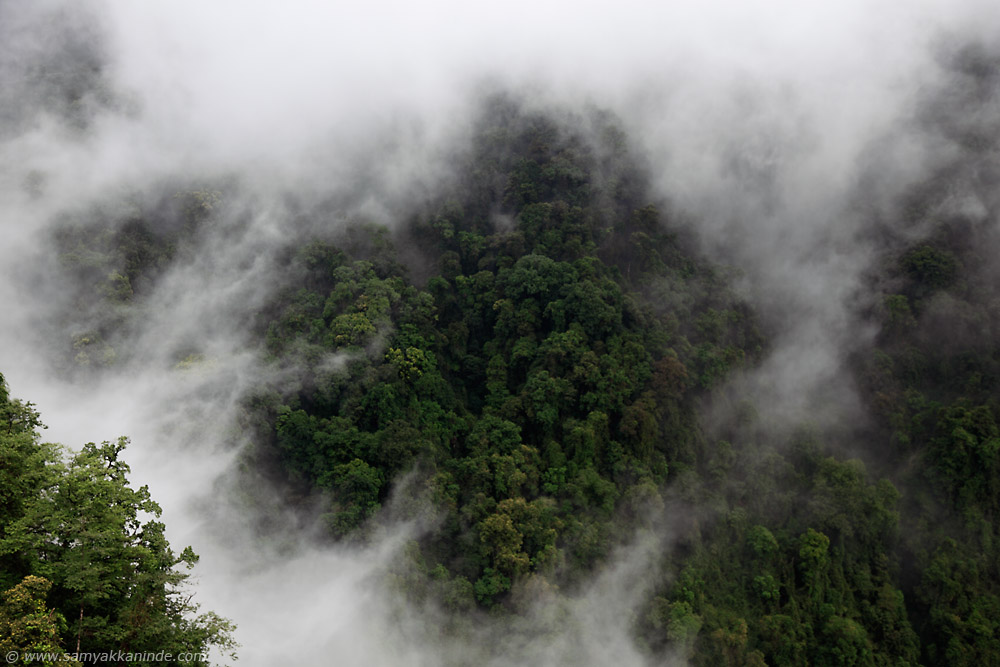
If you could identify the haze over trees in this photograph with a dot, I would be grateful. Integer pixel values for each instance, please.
(519, 374)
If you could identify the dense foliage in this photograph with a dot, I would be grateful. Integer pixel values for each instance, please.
(539, 384)
(536, 382)
(84, 563)
(817, 562)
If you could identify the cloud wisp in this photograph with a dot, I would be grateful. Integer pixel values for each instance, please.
(757, 122)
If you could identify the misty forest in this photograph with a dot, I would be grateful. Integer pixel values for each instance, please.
(500, 344)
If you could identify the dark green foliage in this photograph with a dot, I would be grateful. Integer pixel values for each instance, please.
(937, 404)
(930, 267)
(932, 382)
(535, 380)
(800, 571)
(540, 382)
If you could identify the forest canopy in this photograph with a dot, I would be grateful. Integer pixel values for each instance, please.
(532, 351)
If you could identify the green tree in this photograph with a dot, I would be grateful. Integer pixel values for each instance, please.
(77, 530)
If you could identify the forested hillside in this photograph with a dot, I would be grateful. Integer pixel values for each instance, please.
(499, 378)
(539, 386)
(540, 382)
(537, 382)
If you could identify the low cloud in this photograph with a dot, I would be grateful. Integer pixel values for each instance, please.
(764, 127)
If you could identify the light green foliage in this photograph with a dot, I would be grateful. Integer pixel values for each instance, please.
(844, 642)
(75, 525)
(762, 542)
(27, 625)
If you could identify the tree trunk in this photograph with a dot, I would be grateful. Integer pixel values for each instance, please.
(79, 630)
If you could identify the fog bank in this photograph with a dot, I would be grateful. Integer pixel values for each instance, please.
(760, 124)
